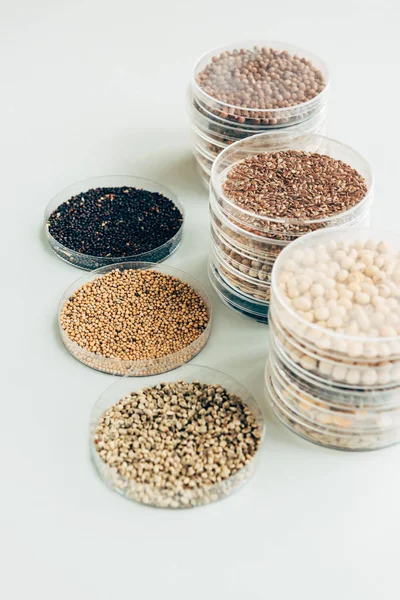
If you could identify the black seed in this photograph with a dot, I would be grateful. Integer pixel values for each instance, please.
(115, 222)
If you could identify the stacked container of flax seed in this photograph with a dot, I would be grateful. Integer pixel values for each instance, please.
(240, 90)
(264, 195)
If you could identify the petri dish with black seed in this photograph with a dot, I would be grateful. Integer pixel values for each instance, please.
(119, 218)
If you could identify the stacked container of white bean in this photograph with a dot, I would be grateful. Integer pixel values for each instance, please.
(333, 371)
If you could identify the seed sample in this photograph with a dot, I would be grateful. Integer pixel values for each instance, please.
(294, 185)
(177, 444)
(130, 318)
(248, 81)
(346, 287)
(117, 222)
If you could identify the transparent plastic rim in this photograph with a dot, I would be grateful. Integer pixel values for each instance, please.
(282, 257)
(113, 259)
(287, 379)
(327, 386)
(216, 182)
(219, 258)
(202, 117)
(275, 45)
(220, 239)
(305, 347)
(277, 401)
(192, 370)
(215, 275)
(114, 363)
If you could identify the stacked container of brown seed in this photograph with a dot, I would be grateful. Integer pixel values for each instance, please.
(243, 89)
(263, 196)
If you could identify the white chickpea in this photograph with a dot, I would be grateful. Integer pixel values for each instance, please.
(383, 350)
(293, 292)
(359, 245)
(357, 266)
(335, 322)
(339, 255)
(324, 343)
(367, 257)
(302, 303)
(352, 328)
(308, 363)
(290, 265)
(362, 298)
(325, 368)
(370, 350)
(371, 244)
(340, 345)
(339, 373)
(309, 257)
(318, 302)
(387, 331)
(332, 294)
(342, 275)
(383, 376)
(304, 283)
(353, 376)
(317, 290)
(370, 289)
(392, 303)
(354, 287)
(298, 256)
(346, 303)
(347, 263)
(322, 313)
(369, 377)
(285, 277)
(332, 246)
(383, 247)
(355, 349)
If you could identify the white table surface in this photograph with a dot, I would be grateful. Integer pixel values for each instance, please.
(92, 88)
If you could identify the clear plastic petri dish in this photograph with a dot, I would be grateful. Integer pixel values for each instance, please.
(250, 266)
(179, 497)
(244, 239)
(88, 262)
(323, 434)
(335, 342)
(207, 126)
(347, 371)
(282, 228)
(203, 175)
(136, 368)
(256, 117)
(261, 290)
(236, 300)
(334, 392)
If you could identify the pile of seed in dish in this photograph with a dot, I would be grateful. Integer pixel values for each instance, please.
(178, 436)
(134, 315)
(115, 222)
(294, 184)
(262, 78)
(350, 288)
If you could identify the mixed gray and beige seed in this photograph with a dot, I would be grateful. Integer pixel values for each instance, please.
(294, 184)
(168, 445)
(134, 315)
(259, 79)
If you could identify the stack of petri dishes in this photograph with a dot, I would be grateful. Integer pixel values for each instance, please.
(335, 380)
(216, 124)
(245, 245)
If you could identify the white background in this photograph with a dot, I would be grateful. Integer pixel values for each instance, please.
(91, 88)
